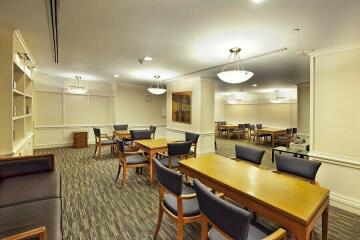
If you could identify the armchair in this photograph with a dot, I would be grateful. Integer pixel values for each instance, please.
(102, 140)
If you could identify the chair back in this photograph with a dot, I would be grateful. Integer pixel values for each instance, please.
(258, 126)
(297, 166)
(193, 137)
(121, 145)
(230, 219)
(252, 127)
(171, 180)
(140, 134)
(294, 131)
(241, 126)
(97, 132)
(288, 131)
(121, 127)
(247, 125)
(179, 148)
(152, 129)
(249, 154)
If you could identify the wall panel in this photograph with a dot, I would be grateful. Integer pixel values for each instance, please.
(76, 109)
(48, 108)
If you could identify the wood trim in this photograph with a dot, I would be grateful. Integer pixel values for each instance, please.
(51, 156)
(341, 160)
(37, 232)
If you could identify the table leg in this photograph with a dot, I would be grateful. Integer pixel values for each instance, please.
(151, 170)
(272, 140)
(272, 155)
(228, 132)
(324, 223)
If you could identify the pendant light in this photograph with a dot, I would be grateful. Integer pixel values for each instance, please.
(238, 75)
(77, 88)
(159, 88)
(277, 98)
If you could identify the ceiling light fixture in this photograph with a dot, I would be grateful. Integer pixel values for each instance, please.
(145, 59)
(258, 1)
(116, 75)
(254, 85)
(76, 88)
(159, 89)
(238, 75)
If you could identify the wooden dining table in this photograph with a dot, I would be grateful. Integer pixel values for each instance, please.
(273, 132)
(121, 134)
(229, 128)
(151, 147)
(293, 203)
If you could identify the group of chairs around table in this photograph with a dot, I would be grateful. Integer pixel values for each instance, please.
(250, 132)
(104, 140)
(186, 203)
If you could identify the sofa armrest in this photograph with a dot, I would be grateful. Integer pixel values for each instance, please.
(37, 232)
(19, 166)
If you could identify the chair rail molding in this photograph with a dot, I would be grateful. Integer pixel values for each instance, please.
(342, 160)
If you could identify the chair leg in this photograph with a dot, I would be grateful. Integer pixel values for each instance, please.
(160, 217)
(95, 150)
(180, 229)
(124, 178)
(118, 173)
(99, 153)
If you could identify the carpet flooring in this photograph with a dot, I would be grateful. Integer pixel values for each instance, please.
(94, 206)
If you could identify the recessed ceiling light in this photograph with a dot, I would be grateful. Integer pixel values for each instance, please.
(254, 85)
(148, 58)
(258, 1)
(116, 75)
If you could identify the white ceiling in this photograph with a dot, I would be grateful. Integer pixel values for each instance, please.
(107, 37)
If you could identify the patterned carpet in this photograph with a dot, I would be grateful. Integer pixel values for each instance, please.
(94, 206)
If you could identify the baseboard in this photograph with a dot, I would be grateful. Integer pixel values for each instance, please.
(345, 203)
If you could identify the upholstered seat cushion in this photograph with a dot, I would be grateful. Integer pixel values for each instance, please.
(136, 159)
(190, 206)
(107, 142)
(23, 217)
(28, 188)
(256, 232)
(174, 161)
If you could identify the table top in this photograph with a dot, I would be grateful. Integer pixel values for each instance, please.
(292, 150)
(153, 143)
(229, 126)
(295, 197)
(121, 132)
(270, 129)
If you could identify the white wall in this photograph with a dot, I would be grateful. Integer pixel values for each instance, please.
(58, 113)
(334, 123)
(203, 93)
(257, 108)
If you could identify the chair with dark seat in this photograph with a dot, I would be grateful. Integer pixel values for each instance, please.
(175, 199)
(241, 131)
(129, 159)
(121, 127)
(176, 152)
(294, 131)
(103, 140)
(299, 167)
(261, 135)
(153, 130)
(251, 155)
(227, 220)
(284, 139)
(192, 137)
(247, 129)
(252, 132)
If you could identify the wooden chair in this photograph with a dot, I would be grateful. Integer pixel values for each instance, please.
(194, 138)
(252, 133)
(152, 130)
(175, 199)
(297, 167)
(176, 152)
(241, 131)
(284, 139)
(99, 142)
(229, 221)
(248, 154)
(129, 159)
(37, 233)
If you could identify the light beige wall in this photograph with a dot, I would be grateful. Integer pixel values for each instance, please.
(282, 115)
(304, 109)
(334, 123)
(203, 105)
(58, 113)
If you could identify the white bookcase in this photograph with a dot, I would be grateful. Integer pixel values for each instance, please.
(16, 95)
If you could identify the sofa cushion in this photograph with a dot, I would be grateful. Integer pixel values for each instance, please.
(24, 217)
(28, 188)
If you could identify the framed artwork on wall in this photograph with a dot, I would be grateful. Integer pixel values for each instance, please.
(181, 107)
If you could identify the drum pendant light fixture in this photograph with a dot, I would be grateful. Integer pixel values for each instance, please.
(238, 75)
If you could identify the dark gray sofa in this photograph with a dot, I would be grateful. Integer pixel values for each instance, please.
(30, 197)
